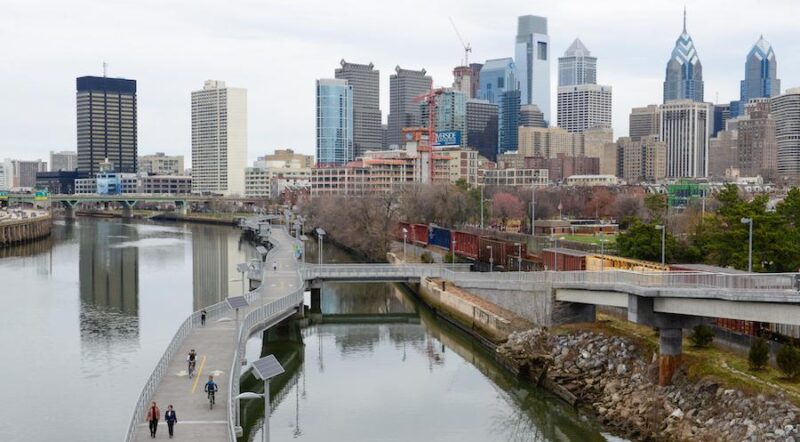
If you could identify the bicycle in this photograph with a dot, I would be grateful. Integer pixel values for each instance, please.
(191, 368)
(211, 397)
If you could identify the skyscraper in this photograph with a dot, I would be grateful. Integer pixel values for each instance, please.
(482, 127)
(760, 76)
(644, 121)
(531, 53)
(786, 112)
(686, 129)
(64, 160)
(531, 116)
(365, 81)
(334, 122)
(641, 160)
(684, 73)
(106, 124)
(451, 114)
(219, 138)
(404, 85)
(722, 113)
(509, 121)
(496, 77)
(577, 66)
(757, 145)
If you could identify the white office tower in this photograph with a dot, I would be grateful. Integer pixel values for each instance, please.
(686, 129)
(219, 139)
(532, 58)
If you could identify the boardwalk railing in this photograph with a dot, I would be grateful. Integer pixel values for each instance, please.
(213, 312)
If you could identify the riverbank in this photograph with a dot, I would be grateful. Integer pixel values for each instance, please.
(24, 227)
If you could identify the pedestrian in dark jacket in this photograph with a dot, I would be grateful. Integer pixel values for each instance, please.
(153, 413)
(171, 419)
(203, 317)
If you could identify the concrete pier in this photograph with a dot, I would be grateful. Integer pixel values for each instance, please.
(14, 231)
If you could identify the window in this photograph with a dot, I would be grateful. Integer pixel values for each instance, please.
(542, 50)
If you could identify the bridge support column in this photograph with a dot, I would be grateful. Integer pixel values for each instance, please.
(316, 301)
(670, 348)
(127, 209)
(69, 209)
(182, 208)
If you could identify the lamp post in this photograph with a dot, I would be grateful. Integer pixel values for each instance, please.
(491, 258)
(304, 238)
(533, 208)
(519, 256)
(405, 239)
(453, 255)
(482, 207)
(749, 222)
(663, 240)
(321, 236)
(265, 369)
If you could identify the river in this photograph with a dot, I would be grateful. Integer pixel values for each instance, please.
(88, 312)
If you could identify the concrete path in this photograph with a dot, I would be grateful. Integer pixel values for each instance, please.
(215, 346)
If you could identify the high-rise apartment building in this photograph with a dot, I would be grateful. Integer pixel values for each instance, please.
(451, 114)
(760, 76)
(365, 81)
(107, 127)
(723, 154)
(577, 66)
(219, 138)
(466, 79)
(757, 144)
(532, 56)
(404, 85)
(161, 164)
(584, 106)
(66, 160)
(496, 77)
(482, 127)
(641, 160)
(786, 112)
(334, 122)
(686, 129)
(684, 73)
(644, 121)
(531, 116)
(508, 115)
(21, 173)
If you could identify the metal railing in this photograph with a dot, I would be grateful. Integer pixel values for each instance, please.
(377, 271)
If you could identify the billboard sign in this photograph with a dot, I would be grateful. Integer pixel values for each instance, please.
(40, 195)
(3, 195)
(448, 138)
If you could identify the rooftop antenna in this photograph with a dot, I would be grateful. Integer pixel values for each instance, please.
(105, 69)
(684, 19)
(467, 47)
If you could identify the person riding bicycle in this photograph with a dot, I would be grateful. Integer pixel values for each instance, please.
(192, 360)
(211, 387)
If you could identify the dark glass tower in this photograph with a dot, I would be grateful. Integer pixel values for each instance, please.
(106, 124)
(760, 76)
(684, 73)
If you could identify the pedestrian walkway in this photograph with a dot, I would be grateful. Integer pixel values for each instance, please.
(215, 346)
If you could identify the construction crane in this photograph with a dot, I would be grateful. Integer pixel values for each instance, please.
(467, 47)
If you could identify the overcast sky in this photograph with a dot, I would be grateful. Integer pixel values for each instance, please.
(277, 48)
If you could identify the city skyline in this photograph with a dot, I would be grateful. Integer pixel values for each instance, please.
(634, 67)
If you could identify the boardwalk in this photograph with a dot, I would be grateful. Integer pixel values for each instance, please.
(215, 346)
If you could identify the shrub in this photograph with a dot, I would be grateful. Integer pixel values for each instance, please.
(759, 354)
(788, 359)
(426, 257)
(448, 257)
(702, 336)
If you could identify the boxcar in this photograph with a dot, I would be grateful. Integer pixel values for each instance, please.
(420, 234)
(466, 244)
(568, 260)
(439, 237)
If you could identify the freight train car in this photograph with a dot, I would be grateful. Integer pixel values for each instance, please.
(564, 260)
(595, 263)
(419, 234)
(466, 244)
(439, 237)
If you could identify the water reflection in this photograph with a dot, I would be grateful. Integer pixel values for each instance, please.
(215, 255)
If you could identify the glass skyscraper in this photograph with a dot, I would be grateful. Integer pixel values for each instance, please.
(577, 66)
(760, 76)
(684, 73)
(508, 116)
(532, 56)
(496, 77)
(334, 122)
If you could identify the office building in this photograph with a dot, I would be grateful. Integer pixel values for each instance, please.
(508, 116)
(723, 154)
(563, 166)
(107, 124)
(451, 114)
(161, 164)
(385, 135)
(532, 56)
(66, 160)
(165, 184)
(584, 106)
(531, 116)
(684, 73)
(5, 174)
(60, 182)
(722, 113)
(259, 181)
(334, 122)
(219, 138)
(644, 121)
(364, 79)
(404, 85)
(639, 160)
(686, 129)
(786, 112)
(496, 77)
(757, 144)
(482, 127)
(285, 159)
(466, 79)
(515, 177)
(577, 66)
(760, 76)
(22, 174)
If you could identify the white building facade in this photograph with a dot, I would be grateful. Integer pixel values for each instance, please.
(686, 129)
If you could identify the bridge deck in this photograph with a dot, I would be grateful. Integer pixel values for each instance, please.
(214, 344)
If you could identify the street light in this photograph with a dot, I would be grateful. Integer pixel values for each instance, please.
(304, 238)
(519, 256)
(749, 222)
(491, 258)
(265, 369)
(405, 239)
(663, 240)
(482, 207)
(320, 235)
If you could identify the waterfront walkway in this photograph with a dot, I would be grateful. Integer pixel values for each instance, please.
(216, 346)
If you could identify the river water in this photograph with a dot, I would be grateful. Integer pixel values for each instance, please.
(88, 313)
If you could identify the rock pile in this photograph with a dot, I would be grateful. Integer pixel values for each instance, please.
(617, 381)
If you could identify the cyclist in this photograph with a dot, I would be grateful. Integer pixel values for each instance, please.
(211, 388)
(192, 360)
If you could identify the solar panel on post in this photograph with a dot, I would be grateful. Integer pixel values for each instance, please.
(237, 302)
(267, 367)
(242, 267)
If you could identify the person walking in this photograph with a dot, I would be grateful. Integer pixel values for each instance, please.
(153, 414)
(171, 419)
(203, 317)
(275, 266)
